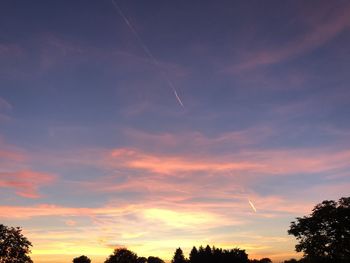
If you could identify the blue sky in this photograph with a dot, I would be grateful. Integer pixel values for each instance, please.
(97, 152)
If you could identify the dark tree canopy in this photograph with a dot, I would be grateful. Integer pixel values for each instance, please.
(179, 256)
(265, 260)
(217, 255)
(292, 260)
(14, 247)
(82, 259)
(324, 236)
(154, 260)
(122, 255)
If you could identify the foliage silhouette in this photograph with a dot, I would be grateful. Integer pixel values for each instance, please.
(141, 260)
(292, 260)
(154, 260)
(324, 236)
(122, 255)
(194, 256)
(14, 247)
(82, 259)
(265, 260)
(179, 256)
(217, 255)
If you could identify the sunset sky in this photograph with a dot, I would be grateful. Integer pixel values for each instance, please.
(96, 151)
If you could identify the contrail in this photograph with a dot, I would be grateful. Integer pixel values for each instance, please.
(178, 98)
(252, 205)
(146, 49)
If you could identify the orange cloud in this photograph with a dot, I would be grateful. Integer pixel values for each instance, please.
(265, 161)
(26, 183)
(168, 164)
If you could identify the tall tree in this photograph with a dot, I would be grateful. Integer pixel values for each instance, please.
(122, 255)
(82, 259)
(194, 255)
(324, 236)
(178, 256)
(14, 247)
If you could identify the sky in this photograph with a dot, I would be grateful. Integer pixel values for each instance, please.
(154, 125)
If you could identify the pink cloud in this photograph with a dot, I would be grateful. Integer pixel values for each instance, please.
(264, 161)
(169, 164)
(198, 140)
(25, 183)
(12, 155)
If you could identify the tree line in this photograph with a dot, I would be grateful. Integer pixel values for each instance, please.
(200, 255)
(323, 237)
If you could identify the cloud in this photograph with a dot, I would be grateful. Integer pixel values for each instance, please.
(170, 164)
(7, 49)
(25, 183)
(273, 162)
(324, 26)
(11, 155)
(5, 105)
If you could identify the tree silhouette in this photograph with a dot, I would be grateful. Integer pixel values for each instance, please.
(14, 247)
(265, 260)
(179, 256)
(292, 260)
(122, 255)
(82, 259)
(324, 236)
(194, 255)
(217, 255)
(141, 260)
(154, 260)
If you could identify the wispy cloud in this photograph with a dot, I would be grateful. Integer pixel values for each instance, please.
(25, 183)
(323, 27)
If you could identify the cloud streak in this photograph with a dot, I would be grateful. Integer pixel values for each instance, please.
(322, 29)
(26, 182)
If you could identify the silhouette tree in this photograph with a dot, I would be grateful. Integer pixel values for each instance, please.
(265, 260)
(14, 247)
(141, 260)
(217, 255)
(292, 260)
(235, 255)
(194, 255)
(122, 255)
(154, 260)
(208, 257)
(82, 259)
(178, 256)
(324, 236)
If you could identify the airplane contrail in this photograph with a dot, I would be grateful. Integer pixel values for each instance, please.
(146, 49)
(252, 205)
(178, 98)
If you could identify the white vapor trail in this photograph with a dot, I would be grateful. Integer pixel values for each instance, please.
(178, 98)
(252, 205)
(146, 50)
